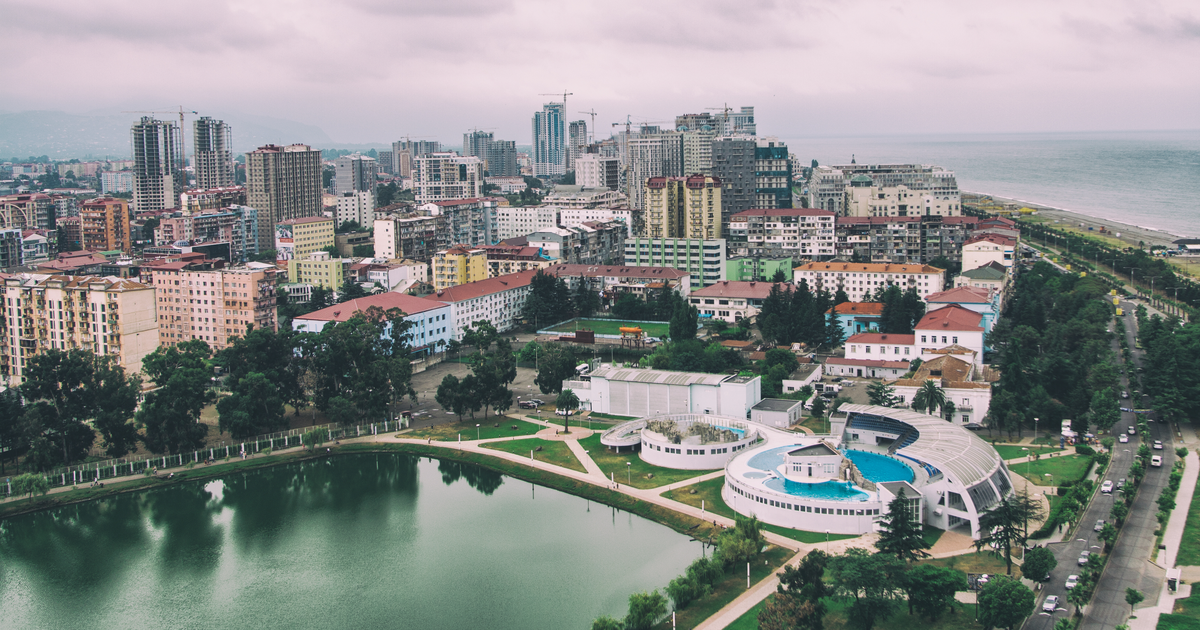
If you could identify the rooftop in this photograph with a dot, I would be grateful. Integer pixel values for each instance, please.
(615, 271)
(659, 376)
(304, 220)
(776, 404)
(783, 212)
(870, 337)
(814, 450)
(993, 238)
(846, 267)
(480, 288)
(859, 308)
(986, 272)
(961, 295)
(411, 305)
(736, 289)
(872, 363)
(952, 317)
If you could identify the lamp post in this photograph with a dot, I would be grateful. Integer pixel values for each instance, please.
(827, 541)
(476, 432)
(629, 473)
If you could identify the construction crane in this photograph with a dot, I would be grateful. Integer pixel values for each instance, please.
(592, 113)
(182, 144)
(565, 94)
(724, 116)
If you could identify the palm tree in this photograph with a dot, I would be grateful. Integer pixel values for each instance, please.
(568, 401)
(929, 397)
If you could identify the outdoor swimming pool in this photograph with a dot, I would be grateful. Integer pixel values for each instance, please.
(828, 490)
(879, 468)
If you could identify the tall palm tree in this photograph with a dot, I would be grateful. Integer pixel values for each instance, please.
(929, 398)
(567, 401)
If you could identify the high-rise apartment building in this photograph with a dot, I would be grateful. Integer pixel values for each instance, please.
(282, 183)
(386, 162)
(447, 176)
(101, 315)
(297, 238)
(703, 259)
(476, 143)
(405, 151)
(158, 176)
(855, 189)
(577, 141)
(741, 122)
(683, 207)
(595, 171)
(772, 174)
(27, 210)
(652, 155)
(796, 232)
(199, 199)
(458, 265)
(204, 300)
(12, 248)
(116, 182)
(354, 173)
(753, 172)
(355, 206)
(236, 225)
(549, 141)
(105, 225)
(502, 159)
(212, 143)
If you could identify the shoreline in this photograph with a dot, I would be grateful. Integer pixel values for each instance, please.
(1129, 233)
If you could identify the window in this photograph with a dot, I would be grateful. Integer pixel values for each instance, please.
(954, 340)
(923, 339)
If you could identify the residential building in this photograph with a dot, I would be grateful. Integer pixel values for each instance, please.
(733, 163)
(772, 174)
(355, 206)
(354, 173)
(589, 243)
(158, 176)
(513, 221)
(446, 177)
(704, 260)
(731, 301)
(206, 300)
(640, 393)
(593, 170)
(582, 197)
(405, 151)
(858, 317)
(983, 301)
(200, 199)
(105, 223)
(507, 185)
(465, 221)
(829, 185)
(502, 159)
(386, 162)
(747, 268)
(683, 207)
(212, 145)
(980, 250)
(282, 183)
(800, 232)
(36, 247)
(865, 199)
(503, 260)
(416, 237)
(500, 301)
(475, 143)
(237, 225)
(110, 316)
(614, 279)
(549, 141)
(963, 383)
(27, 210)
(429, 320)
(992, 276)
(458, 265)
(740, 122)
(860, 280)
(297, 238)
(654, 155)
(951, 325)
(577, 142)
(318, 269)
(116, 182)
(70, 231)
(912, 240)
(12, 248)
(571, 217)
(399, 276)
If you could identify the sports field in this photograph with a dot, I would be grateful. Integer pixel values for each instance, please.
(611, 327)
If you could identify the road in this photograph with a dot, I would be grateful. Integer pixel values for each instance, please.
(1128, 564)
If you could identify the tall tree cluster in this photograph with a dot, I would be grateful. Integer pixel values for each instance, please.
(901, 309)
(1172, 366)
(493, 368)
(798, 315)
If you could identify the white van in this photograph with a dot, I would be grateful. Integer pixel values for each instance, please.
(1156, 461)
(582, 369)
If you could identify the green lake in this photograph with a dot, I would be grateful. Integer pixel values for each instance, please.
(354, 541)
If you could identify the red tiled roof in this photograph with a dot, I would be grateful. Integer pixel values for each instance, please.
(859, 308)
(480, 288)
(952, 317)
(411, 305)
(736, 289)
(875, 363)
(961, 295)
(998, 239)
(904, 340)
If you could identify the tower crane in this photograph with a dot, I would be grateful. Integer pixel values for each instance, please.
(565, 94)
(724, 116)
(181, 112)
(592, 113)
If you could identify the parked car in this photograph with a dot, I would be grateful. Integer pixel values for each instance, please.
(1106, 487)
(1125, 394)
(1158, 445)
(1083, 558)
(1051, 604)
(1099, 526)
(1156, 461)
(1131, 430)
(1123, 438)
(1072, 581)
(527, 404)
(1120, 484)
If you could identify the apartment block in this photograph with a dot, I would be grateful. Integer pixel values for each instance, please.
(205, 300)
(355, 206)
(683, 207)
(104, 315)
(105, 224)
(446, 177)
(860, 280)
(354, 173)
(651, 156)
(746, 268)
(458, 265)
(12, 248)
(282, 183)
(405, 151)
(158, 176)
(513, 221)
(549, 141)
(703, 260)
(464, 221)
(237, 225)
(116, 182)
(415, 237)
(902, 239)
(589, 243)
(297, 238)
(500, 301)
(799, 232)
(503, 260)
(566, 196)
(593, 170)
(570, 217)
(319, 270)
(213, 153)
(502, 159)
(865, 199)
(429, 331)
(928, 190)
(27, 210)
(201, 199)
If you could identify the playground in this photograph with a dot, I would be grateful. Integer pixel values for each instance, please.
(611, 327)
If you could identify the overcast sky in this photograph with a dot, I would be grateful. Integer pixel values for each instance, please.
(376, 70)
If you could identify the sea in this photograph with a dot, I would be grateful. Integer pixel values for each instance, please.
(1149, 179)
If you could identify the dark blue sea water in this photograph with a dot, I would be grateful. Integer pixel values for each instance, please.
(1144, 178)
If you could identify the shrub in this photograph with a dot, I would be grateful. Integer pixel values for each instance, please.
(1181, 452)
(1084, 449)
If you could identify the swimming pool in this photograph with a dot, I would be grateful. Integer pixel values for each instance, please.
(880, 468)
(828, 490)
(741, 433)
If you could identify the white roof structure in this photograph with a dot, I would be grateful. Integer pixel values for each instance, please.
(659, 376)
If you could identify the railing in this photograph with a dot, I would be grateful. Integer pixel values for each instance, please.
(109, 469)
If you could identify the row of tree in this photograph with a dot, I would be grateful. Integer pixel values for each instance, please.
(493, 369)
(797, 315)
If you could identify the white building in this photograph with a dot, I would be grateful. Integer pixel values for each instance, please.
(446, 177)
(704, 259)
(866, 200)
(355, 206)
(571, 217)
(950, 326)
(961, 381)
(731, 300)
(385, 237)
(499, 300)
(860, 280)
(987, 248)
(430, 319)
(637, 392)
(778, 232)
(513, 221)
(596, 171)
(777, 412)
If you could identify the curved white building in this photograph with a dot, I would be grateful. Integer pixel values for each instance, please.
(685, 441)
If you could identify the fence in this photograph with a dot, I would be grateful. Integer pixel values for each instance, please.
(99, 471)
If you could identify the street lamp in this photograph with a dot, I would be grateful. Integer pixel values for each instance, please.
(629, 473)
(827, 541)
(477, 432)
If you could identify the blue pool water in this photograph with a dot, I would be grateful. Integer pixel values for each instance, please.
(770, 459)
(741, 433)
(879, 468)
(828, 490)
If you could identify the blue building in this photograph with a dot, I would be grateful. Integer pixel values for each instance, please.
(859, 317)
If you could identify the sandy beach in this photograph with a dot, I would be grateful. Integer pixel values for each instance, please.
(1131, 234)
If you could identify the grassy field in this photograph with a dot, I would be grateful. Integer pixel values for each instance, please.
(728, 590)
(557, 453)
(710, 493)
(978, 562)
(612, 327)
(638, 473)
(1063, 467)
(960, 616)
(488, 430)
(1186, 616)
(1189, 550)
(820, 427)
(1011, 452)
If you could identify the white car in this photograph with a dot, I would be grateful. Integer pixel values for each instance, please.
(1083, 558)
(1124, 439)
(1106, 487)
(1099, 526)
(1132, 431)
(1072, 581)
(1157, 445)
(1156, 461)
(1051, 604)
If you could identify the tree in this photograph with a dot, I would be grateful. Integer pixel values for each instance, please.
(1005, 526)
(350, 226)
(30, 484)
(684, 321)
(605, 622)
(314, 438)
(930, 589)
(1133, 597)
(882, 394)
(645, 609)
(568, 401)
(840, 297)
(929, 398)
(869, 580)
(1039, 562)
(818, 407)
(350, 290)
(253, 409)
(556, 364)
(791, 613)
(547, 302)
(363, 251)
(171, 413)
(452, 397)
(899, 534)
(12, 410)
(263, 375)
(1004, 603)
(586, 301)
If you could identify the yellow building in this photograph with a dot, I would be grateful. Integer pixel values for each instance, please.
(319, 270)
(104, 315)
(683, 207)
(458, 265)
(105, 224)
(297, 238)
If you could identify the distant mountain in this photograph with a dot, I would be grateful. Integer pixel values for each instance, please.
(63, 136)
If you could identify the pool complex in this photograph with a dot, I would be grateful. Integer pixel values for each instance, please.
(828, 490)
(875, 467)
(879, 468)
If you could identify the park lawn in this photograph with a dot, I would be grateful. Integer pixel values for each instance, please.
(769, 561)
(710, 492)
(977, 562)
(749, 620)
(553, 452)
(959, 616)
(487, 430)
(1189, 549)
(1009, 451)
(637, 473)
(1185, 616)
(613, 327)
(1063, 468)
(819, 426)
(932, 535)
